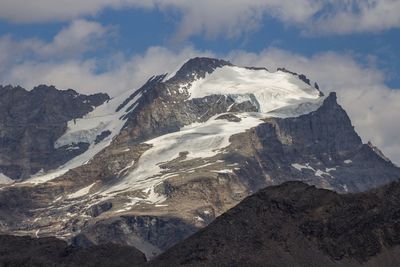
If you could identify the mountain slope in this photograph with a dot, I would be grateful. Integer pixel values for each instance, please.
(30, 123)
(30, 252)
(297, 225)
(165, 160)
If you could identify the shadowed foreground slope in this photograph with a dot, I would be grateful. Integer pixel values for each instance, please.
(298, 225)
(29, 252)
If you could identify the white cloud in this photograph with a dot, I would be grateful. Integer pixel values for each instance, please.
(228, 18)
(119, 75)
(54, 10)
(231, 19)
(344, 16)
(77, 38)
(80, 36)
(372, 106)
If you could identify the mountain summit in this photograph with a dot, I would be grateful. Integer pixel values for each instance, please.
(157, 163)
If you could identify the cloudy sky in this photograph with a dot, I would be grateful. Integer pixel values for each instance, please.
(348, 46)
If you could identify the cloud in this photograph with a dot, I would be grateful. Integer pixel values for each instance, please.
(78, 37)
(372, 106)
(22, 11)
(118, 73)
(214, 18)
(343, 16)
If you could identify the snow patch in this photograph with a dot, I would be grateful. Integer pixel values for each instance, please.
(82, 192)
(5, 179)
(130, 165)
(200, 140)
(345, 188)
(348, 161)
(317, 172)
(152, 198)
(226, 171)
(268, 91)
(300, 167)
(198, 218)
(86, 129)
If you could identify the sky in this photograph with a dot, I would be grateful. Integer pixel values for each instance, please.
(347, 46)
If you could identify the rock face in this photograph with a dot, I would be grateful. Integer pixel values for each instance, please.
(298, 225)
(30, 252)
(31, 122)
(165, 160)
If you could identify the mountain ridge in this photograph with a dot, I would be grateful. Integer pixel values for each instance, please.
(294, 224)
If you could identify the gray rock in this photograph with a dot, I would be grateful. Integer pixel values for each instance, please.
(30, 123)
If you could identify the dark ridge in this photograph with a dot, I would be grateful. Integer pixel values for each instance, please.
(199, 66)
(51, 252)
(303, 78)
(256, 68)
(294, 224)
(147, 86)
(287, 71)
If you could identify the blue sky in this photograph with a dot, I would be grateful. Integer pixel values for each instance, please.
(137, 29)
(349, 46)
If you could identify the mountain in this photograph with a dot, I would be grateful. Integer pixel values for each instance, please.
(38, 252)
(160, 162)
(294, 224)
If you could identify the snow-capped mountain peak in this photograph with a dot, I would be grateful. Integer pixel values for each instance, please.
(169, 157)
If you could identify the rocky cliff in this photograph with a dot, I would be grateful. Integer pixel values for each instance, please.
(31, 122)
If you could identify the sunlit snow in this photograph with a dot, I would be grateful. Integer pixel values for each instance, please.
(268, 90)
(5, 179)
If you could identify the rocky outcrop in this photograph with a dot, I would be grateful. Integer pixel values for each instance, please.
(31, 252)
(319, 148)
(297, 225)
(30, 123)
